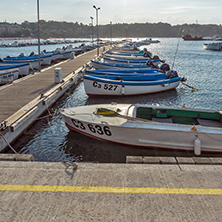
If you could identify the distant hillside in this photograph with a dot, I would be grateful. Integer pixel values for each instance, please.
(64, 29)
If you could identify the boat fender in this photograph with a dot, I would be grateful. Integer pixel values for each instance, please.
(123, 90)
(197, 146)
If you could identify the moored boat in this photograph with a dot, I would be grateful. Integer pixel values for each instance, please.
(108, 65)
(128, 85)
(117, 72)
(147, 126)
(121, 53)
(23, 67)
(33, 63)
(131, 60)
(8, 75)
(46, 59)
(214, 46)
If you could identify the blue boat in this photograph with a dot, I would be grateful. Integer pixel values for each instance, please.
(23, 67)
(123, 72)
(114, 86)
(108, 65)
(130, 77)
(33, 63)
(46, 59)
(134, 61)
(140, 53)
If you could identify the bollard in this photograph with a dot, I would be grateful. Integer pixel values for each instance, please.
(58, 75)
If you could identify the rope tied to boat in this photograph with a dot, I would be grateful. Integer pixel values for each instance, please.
(192, 88)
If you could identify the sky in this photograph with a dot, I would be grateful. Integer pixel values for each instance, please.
(116, 11)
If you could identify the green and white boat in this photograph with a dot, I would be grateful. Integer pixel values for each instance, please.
(172, 128)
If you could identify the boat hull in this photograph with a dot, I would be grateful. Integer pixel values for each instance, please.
(23, 68)
(101, 87)
(9, 75)
(114, 66)
(142, 134)
(217, 46)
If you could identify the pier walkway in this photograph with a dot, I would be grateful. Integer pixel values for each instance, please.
(29, 97)
(21, 92)
(39, 191)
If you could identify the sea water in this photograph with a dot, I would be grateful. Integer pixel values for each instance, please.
(50, 140)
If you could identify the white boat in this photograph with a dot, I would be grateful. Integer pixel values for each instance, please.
(148, 41)
(113, 66)
(215, 46)
(46, 59)
(138, 61)
(128, 85)
(8, 75)
(195, 130)
(119, 56)
(67, 55)
(133, 72)
(124, 53)
(23, 67)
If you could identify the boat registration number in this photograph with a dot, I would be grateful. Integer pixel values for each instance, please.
(106, 86)
(96, 129)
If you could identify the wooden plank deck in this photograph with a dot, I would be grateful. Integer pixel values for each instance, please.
(16, 95)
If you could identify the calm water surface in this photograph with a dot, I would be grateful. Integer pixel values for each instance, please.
(50, 140)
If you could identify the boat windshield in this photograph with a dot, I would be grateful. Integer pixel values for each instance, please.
(130, 111)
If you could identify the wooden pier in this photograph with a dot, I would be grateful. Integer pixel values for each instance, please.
(27, 98)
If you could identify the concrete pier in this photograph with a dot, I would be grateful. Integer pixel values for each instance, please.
(63, 191)
(26, 99)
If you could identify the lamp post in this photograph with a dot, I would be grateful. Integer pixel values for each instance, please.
(92, 26)
(111, 33)
(97, 9)
(39, 64)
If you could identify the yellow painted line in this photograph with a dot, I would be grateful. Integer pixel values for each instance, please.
(102, 189)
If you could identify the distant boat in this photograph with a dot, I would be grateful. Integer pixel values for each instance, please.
(214, 46)
(190, 38)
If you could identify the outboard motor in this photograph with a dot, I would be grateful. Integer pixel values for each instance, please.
(31, 54)
(171, 74)
(21, 55)
(147, 54)
(150, 63)
(165, 67)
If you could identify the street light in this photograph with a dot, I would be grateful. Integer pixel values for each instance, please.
(92, 26)
(97, 9)
(111, 33)
(39, 64)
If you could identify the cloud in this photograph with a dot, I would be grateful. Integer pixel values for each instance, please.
(181, 9)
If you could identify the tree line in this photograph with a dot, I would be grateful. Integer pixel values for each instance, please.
(57, 29)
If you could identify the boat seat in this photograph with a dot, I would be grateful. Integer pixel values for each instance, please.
(207, 122)
(162, 120)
